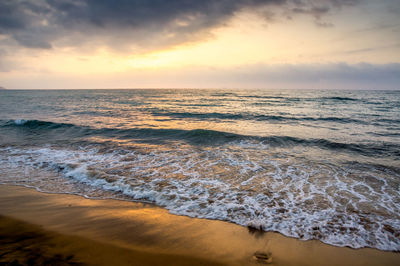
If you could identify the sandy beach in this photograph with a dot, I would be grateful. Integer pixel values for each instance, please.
(70, 229)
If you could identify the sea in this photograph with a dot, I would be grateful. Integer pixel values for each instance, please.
(309, 164)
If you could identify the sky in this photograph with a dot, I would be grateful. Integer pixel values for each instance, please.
(271, 44)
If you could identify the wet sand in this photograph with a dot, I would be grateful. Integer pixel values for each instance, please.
(71, 230)
(22, 243)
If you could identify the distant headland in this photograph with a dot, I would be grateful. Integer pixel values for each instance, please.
(2, 88)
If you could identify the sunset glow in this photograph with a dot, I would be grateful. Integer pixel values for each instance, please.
(268, 38)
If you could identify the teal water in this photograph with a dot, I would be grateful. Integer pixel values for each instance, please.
(309, 164)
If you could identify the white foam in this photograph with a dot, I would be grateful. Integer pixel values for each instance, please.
(244, 183)
(20, 122)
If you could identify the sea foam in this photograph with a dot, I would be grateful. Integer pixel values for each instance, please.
(291, 197)
(20, 122)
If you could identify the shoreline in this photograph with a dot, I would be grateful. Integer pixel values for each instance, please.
(150, 235)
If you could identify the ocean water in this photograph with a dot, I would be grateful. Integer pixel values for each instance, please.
(308, 164)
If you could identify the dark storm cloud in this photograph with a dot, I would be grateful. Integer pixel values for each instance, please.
(318, 9)
(23, 21)
(40, 23)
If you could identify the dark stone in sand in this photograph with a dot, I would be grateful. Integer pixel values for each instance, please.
(263, 257)
(255, 231)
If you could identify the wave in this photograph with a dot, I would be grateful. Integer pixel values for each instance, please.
(338, 98)
(35, 124)
(262, 97)
(272, 118)
(296, 99)
(346, 205)
(198, 137)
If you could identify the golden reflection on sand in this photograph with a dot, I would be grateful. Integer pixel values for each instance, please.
(140, 226)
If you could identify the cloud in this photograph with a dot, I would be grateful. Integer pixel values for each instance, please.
(284, 76)
(318, 9)
(134, 23)
(373, 48)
